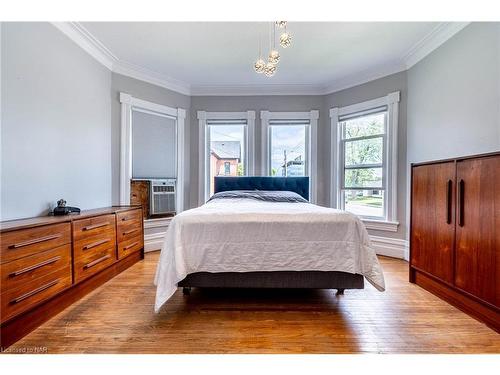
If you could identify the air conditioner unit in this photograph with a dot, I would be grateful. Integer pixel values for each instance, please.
(163, 196)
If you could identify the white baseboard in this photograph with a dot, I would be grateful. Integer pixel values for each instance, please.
(154, 241)
(391, 247)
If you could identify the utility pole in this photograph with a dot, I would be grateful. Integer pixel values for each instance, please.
(286, 167)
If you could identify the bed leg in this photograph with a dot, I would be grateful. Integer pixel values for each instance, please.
(340, 292)
(186, 290)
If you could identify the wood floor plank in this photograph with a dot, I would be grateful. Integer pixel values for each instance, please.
(118, 317)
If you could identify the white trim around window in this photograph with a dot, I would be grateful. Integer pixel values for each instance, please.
(204, 119)
(391, 104)
(312, 137)
(129, 103)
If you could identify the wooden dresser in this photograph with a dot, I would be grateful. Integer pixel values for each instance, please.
(455, 233)
(47, 263)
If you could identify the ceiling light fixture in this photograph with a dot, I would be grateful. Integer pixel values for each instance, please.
(274, 55)
(269, 68)
(260, 64)
(285, 39)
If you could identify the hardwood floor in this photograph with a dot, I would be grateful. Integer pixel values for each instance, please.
(118, 317)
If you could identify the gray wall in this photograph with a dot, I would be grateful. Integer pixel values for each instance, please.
(56, 122)
(454, 97)
(152, 93)
(61, 116)
(257, 104)
(372, 90)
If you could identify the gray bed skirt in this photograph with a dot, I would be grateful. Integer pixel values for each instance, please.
(275, 279)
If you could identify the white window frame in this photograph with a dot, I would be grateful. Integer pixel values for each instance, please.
(390, 158)
(311, 136)
(129, 103)
(204, 162)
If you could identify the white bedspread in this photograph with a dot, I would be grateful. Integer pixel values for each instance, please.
(245, 235)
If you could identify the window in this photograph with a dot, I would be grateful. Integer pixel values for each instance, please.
(289, 150)
(289, 145)
(138, 158)
(226, 147)
(364, 144)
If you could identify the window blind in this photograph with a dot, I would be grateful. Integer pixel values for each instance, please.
(354, 115)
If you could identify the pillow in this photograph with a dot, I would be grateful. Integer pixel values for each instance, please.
(261, 195)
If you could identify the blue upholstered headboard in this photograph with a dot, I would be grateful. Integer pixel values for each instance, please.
(299, 185)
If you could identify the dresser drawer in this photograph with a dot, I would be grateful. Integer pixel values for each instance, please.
(27, 295)
(27, 269)
(85, 267)
(132, 229)
(24, 242)
(89, 246)
(126, 217)
(129, 246)
(93, 227)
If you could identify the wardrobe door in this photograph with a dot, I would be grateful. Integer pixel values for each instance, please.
(433, 219)
(478, 228)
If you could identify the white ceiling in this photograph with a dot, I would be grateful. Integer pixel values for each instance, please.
(205, 57)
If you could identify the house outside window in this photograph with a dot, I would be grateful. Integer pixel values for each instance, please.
(364, 160)
(226, 147)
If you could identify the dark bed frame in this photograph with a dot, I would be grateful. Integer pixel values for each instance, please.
(273, 279)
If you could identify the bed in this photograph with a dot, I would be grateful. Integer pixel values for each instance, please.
(262, 232)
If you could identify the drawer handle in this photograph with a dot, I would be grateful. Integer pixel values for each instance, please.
(97, 261)
(33, 292)
(130, 246)
(34, 241)
(130, 231)
(125, 218)
(35, 266)
(90, 246)
(95, 226)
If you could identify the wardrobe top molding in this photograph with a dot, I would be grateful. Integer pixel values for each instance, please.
(459, 158)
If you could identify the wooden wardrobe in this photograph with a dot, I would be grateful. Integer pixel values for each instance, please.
(455, 233)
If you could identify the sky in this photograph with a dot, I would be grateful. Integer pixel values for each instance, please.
(291, 138)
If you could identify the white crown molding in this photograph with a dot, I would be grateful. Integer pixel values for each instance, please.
(363, 77)
(146, 75)
(81, 36)
(93, 46)
(255, 90)
(440, 34)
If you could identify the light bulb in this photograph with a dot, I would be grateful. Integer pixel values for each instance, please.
(281, 24)
(285, 40)
(270, 69)
(259, 66)
(274, 57)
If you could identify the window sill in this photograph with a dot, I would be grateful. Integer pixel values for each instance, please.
(387, 226)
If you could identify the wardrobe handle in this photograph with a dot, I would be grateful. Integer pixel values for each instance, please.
(448, 201)
(461, 187)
